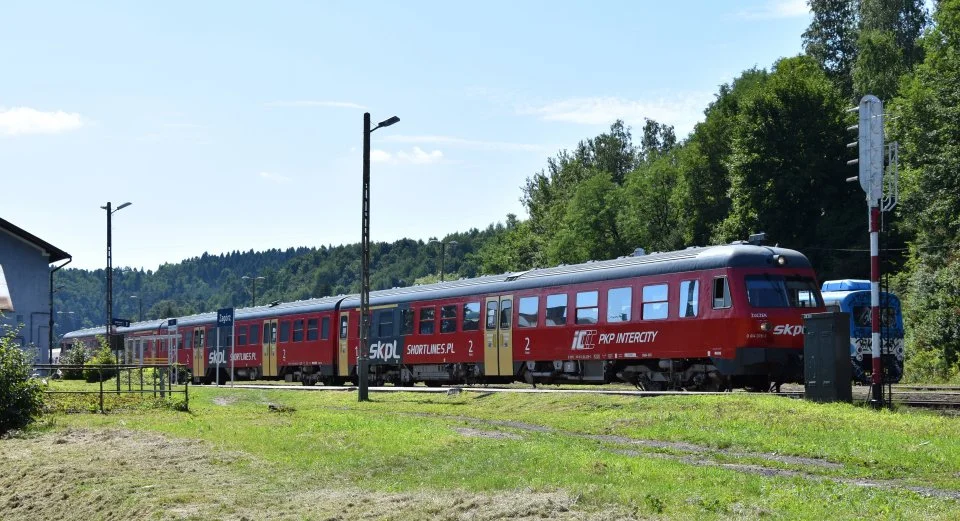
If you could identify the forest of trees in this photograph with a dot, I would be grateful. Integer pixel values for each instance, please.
(769, 155)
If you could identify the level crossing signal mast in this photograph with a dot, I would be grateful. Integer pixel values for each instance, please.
(871, 161)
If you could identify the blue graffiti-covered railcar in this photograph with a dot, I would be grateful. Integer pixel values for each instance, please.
(853, 297)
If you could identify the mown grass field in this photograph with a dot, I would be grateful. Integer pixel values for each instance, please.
(275, 454)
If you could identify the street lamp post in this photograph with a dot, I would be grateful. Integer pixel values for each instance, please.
(139, 307)
(110, 212)
(362, 354)
(443, 245)
(254, 279)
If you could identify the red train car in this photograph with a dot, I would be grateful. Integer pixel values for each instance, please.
(701, 318)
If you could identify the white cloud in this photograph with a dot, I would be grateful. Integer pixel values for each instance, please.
(777, 9)
(416, 156)
(24, 120)
(469, 143)
(274, 177)
(311, 103)
(682, 111)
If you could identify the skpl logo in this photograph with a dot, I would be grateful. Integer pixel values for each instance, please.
(384, 350)
(584, 340)
(788, 330)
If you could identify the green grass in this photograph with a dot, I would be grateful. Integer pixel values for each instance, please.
(580, 447)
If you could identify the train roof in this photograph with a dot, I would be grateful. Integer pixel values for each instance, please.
(844, 290)
(690, 259)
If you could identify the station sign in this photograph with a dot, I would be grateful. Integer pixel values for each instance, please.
(121, 322)
(225, 317)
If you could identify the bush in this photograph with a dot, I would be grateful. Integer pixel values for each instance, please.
(75, 356)
(102, 356)
(21, 397)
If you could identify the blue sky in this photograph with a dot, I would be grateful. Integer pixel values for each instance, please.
(238, 125)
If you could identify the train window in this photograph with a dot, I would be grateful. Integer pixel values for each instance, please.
(188, 339)
(406, 321)
(312, 324)
(471, 316)
(385, 323)
(298, 330)
(254, 335)
(343, 327)
(506, 313)
(655, 302)
(285, 331)
(556, 310)
(528, 311)
(863, 316)
(448, 319)
(427, 325)
(689, 298)
(212, 337)
(492, 306)
(777, 291)
(721, 293)
(325, 328)
(242, 336)
(588, 311)
(619, 304)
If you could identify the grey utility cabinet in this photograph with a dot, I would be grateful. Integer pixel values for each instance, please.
(827, 372)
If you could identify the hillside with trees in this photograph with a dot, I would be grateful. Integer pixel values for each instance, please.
(769, 155)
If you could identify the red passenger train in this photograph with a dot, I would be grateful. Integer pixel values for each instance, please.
(701, 318)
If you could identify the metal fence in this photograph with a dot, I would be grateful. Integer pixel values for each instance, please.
(164, 380)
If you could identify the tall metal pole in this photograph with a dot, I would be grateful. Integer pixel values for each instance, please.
(443, 246)
(254, 292)
(110, 289)
(876, 379)
(362, 376)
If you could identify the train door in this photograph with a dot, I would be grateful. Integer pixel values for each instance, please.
(269, 347)
(199, 361)
(497, 332)
(343, 352)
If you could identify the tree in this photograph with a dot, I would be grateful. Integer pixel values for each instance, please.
(590, 229)
(928, 129)
(787, 165)
(21, 397)
(904, 19)
(831, 39)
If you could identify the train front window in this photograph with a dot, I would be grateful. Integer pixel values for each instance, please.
(778, 291)
(862, 316)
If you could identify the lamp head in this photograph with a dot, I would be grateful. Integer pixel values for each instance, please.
(388, 122)
(122, 206)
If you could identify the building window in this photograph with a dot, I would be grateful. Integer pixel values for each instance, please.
(587, 310)
(528, 312)
(298, 330)
(619, 304)
(285, 331)
(312, 329)
(471, 316)
(655, 302)
(448, 319)
(406, 321)
(689, 298)
(325, 328)
(557, 310)
(427, 326)
(721, 293)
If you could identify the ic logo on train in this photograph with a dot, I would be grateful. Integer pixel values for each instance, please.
(584, 340)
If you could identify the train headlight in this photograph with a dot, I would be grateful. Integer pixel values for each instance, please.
(765, 326)
(779, 260)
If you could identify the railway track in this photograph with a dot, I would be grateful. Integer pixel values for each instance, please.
(918, 399)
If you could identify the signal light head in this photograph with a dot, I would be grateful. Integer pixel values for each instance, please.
(779, 260)
(765, 326)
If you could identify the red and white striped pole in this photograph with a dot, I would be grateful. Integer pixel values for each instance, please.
(877, 369)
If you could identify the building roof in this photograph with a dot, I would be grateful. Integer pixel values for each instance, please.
(56, 254)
